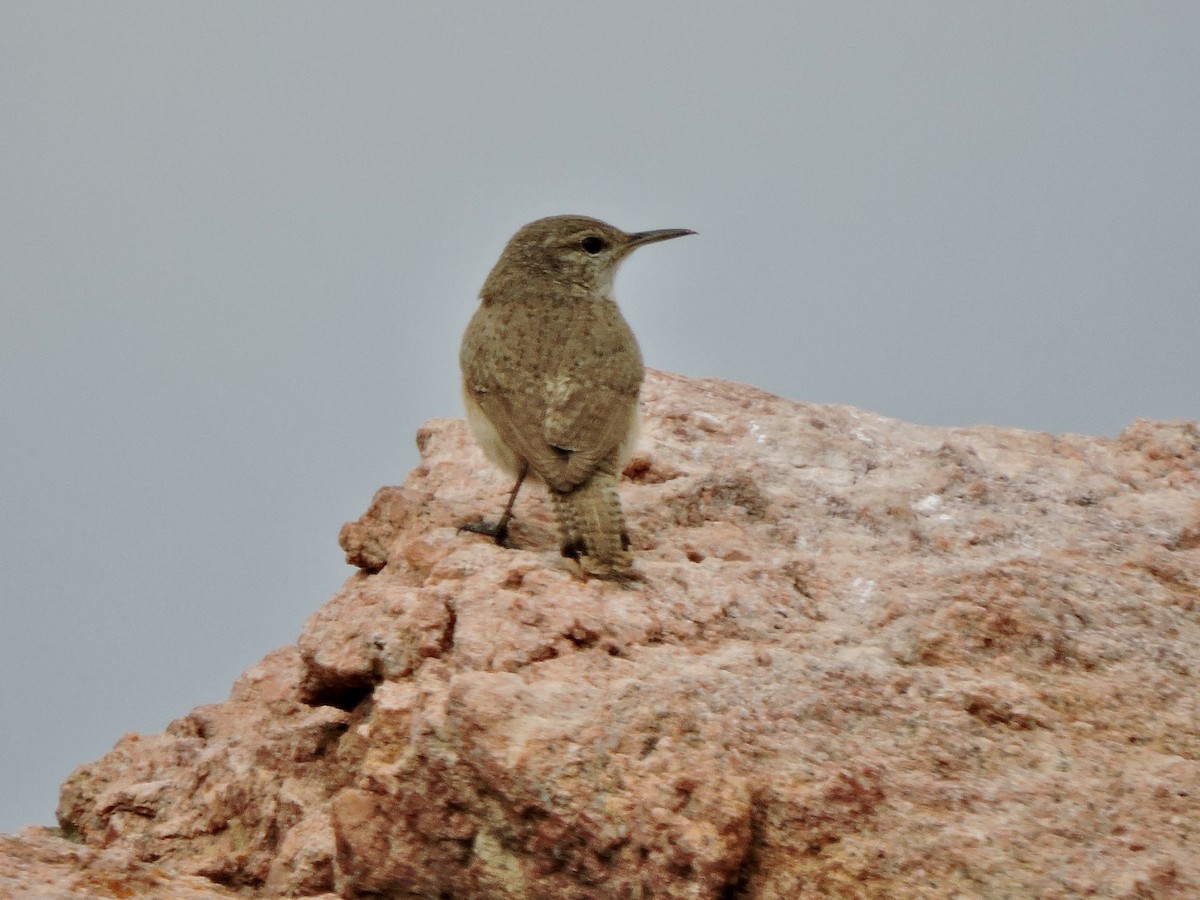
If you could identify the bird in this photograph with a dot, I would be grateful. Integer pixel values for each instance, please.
(551, 379)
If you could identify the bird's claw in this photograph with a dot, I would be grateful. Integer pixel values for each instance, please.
(497, 531)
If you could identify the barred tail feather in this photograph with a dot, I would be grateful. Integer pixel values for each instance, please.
(593, 527)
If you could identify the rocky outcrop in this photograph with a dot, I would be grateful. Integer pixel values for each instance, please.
(867, 659)
(37, 864)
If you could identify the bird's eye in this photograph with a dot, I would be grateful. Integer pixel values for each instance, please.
(593, 244)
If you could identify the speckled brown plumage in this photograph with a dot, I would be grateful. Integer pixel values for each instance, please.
(551, 375)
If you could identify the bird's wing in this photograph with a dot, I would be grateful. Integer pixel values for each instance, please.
(586, 423)
(572, 440)
(564, 430)
(508, 393)
(510, 420)
(562, 423)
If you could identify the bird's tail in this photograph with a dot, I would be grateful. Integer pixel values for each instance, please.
(593, 527)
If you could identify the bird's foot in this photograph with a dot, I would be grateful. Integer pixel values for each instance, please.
(497, 531)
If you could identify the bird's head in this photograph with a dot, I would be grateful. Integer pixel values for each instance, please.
(568, 254)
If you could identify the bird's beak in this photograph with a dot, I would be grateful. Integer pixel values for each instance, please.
(641, 238)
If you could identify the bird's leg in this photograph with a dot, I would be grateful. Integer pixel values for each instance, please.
(501, 534)
(499, 530)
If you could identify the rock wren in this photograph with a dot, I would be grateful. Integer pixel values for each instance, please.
(551, 376)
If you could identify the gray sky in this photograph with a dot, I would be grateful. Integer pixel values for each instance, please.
(239, 243)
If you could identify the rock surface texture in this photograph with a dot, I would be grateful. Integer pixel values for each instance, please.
(868, 659)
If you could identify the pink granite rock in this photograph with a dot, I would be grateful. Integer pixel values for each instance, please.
(37, 864)
(868, 659)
